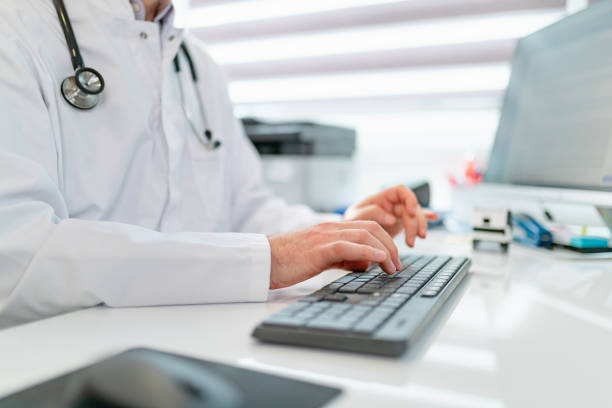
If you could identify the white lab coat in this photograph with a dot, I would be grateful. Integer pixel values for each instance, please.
(122, 205)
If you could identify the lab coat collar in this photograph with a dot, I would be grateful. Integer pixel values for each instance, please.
(122, 10)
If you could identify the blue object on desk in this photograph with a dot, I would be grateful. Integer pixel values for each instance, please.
(588, 242)
(530, 232)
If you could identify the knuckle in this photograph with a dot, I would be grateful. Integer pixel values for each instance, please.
(374, 208)
(371, 224)
(337, 247)
(319, 227)
(365, 252)
(327, 225)
(363, 235)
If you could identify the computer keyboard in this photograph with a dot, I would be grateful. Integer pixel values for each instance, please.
(369, 312)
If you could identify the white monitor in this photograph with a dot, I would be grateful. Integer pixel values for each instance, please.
(554, 140)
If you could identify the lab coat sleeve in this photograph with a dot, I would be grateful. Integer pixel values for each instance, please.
(50, 263)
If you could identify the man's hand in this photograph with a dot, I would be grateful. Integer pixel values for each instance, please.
(349, 245)
(395, 208)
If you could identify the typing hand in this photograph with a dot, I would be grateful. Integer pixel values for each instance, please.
(350, 245)
(395, 209)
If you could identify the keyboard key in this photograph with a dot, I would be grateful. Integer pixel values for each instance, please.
(310, 299)
(342, 307)
(407, 290)
(306, 315)
(322, 292)
(364, 290)
(295, 307)
(366, 326)
(344, 279)
(335, 298)
(330, 325)
(391, 304)
(429, 293)
(333, 287)
(369, 302)
(318, 307)
(350, 287)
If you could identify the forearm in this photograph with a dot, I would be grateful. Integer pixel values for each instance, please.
(85, 263)
(52, 264)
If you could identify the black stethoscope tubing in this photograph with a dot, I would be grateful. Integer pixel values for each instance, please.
(75, 53)
(208, 135)
(73, 47)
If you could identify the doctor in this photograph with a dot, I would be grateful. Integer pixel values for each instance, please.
(125, 179)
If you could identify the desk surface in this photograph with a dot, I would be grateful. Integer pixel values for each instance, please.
(525, 329)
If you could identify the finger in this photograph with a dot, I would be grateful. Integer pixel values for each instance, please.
(382, 235)
(363, 236)
(391, 196)
(403, 195)
(398, 210)
(430, 215)
(410, 228)
(422, 225)
(342, 251)
(375, 213)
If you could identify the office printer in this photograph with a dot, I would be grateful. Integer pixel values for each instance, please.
(307, 163)
(300, 138)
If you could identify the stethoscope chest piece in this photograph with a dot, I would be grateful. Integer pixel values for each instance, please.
(83, 89)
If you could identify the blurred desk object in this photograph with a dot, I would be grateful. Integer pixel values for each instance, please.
(300, 138)
(525, 330)
(307, 163)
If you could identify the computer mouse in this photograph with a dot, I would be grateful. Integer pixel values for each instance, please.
(144, 379)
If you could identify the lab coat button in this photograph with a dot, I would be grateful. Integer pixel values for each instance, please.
(144, 35)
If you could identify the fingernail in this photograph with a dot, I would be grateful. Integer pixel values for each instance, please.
(389, 219)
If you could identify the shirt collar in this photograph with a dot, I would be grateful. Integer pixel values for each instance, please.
(163, 16)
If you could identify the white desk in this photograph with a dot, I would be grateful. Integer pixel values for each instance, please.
(526, 330)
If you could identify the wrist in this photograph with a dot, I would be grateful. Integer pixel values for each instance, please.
(274, 263)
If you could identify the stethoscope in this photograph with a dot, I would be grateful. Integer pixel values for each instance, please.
(84, 89)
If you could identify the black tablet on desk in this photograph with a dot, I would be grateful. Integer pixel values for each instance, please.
(152, 379)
